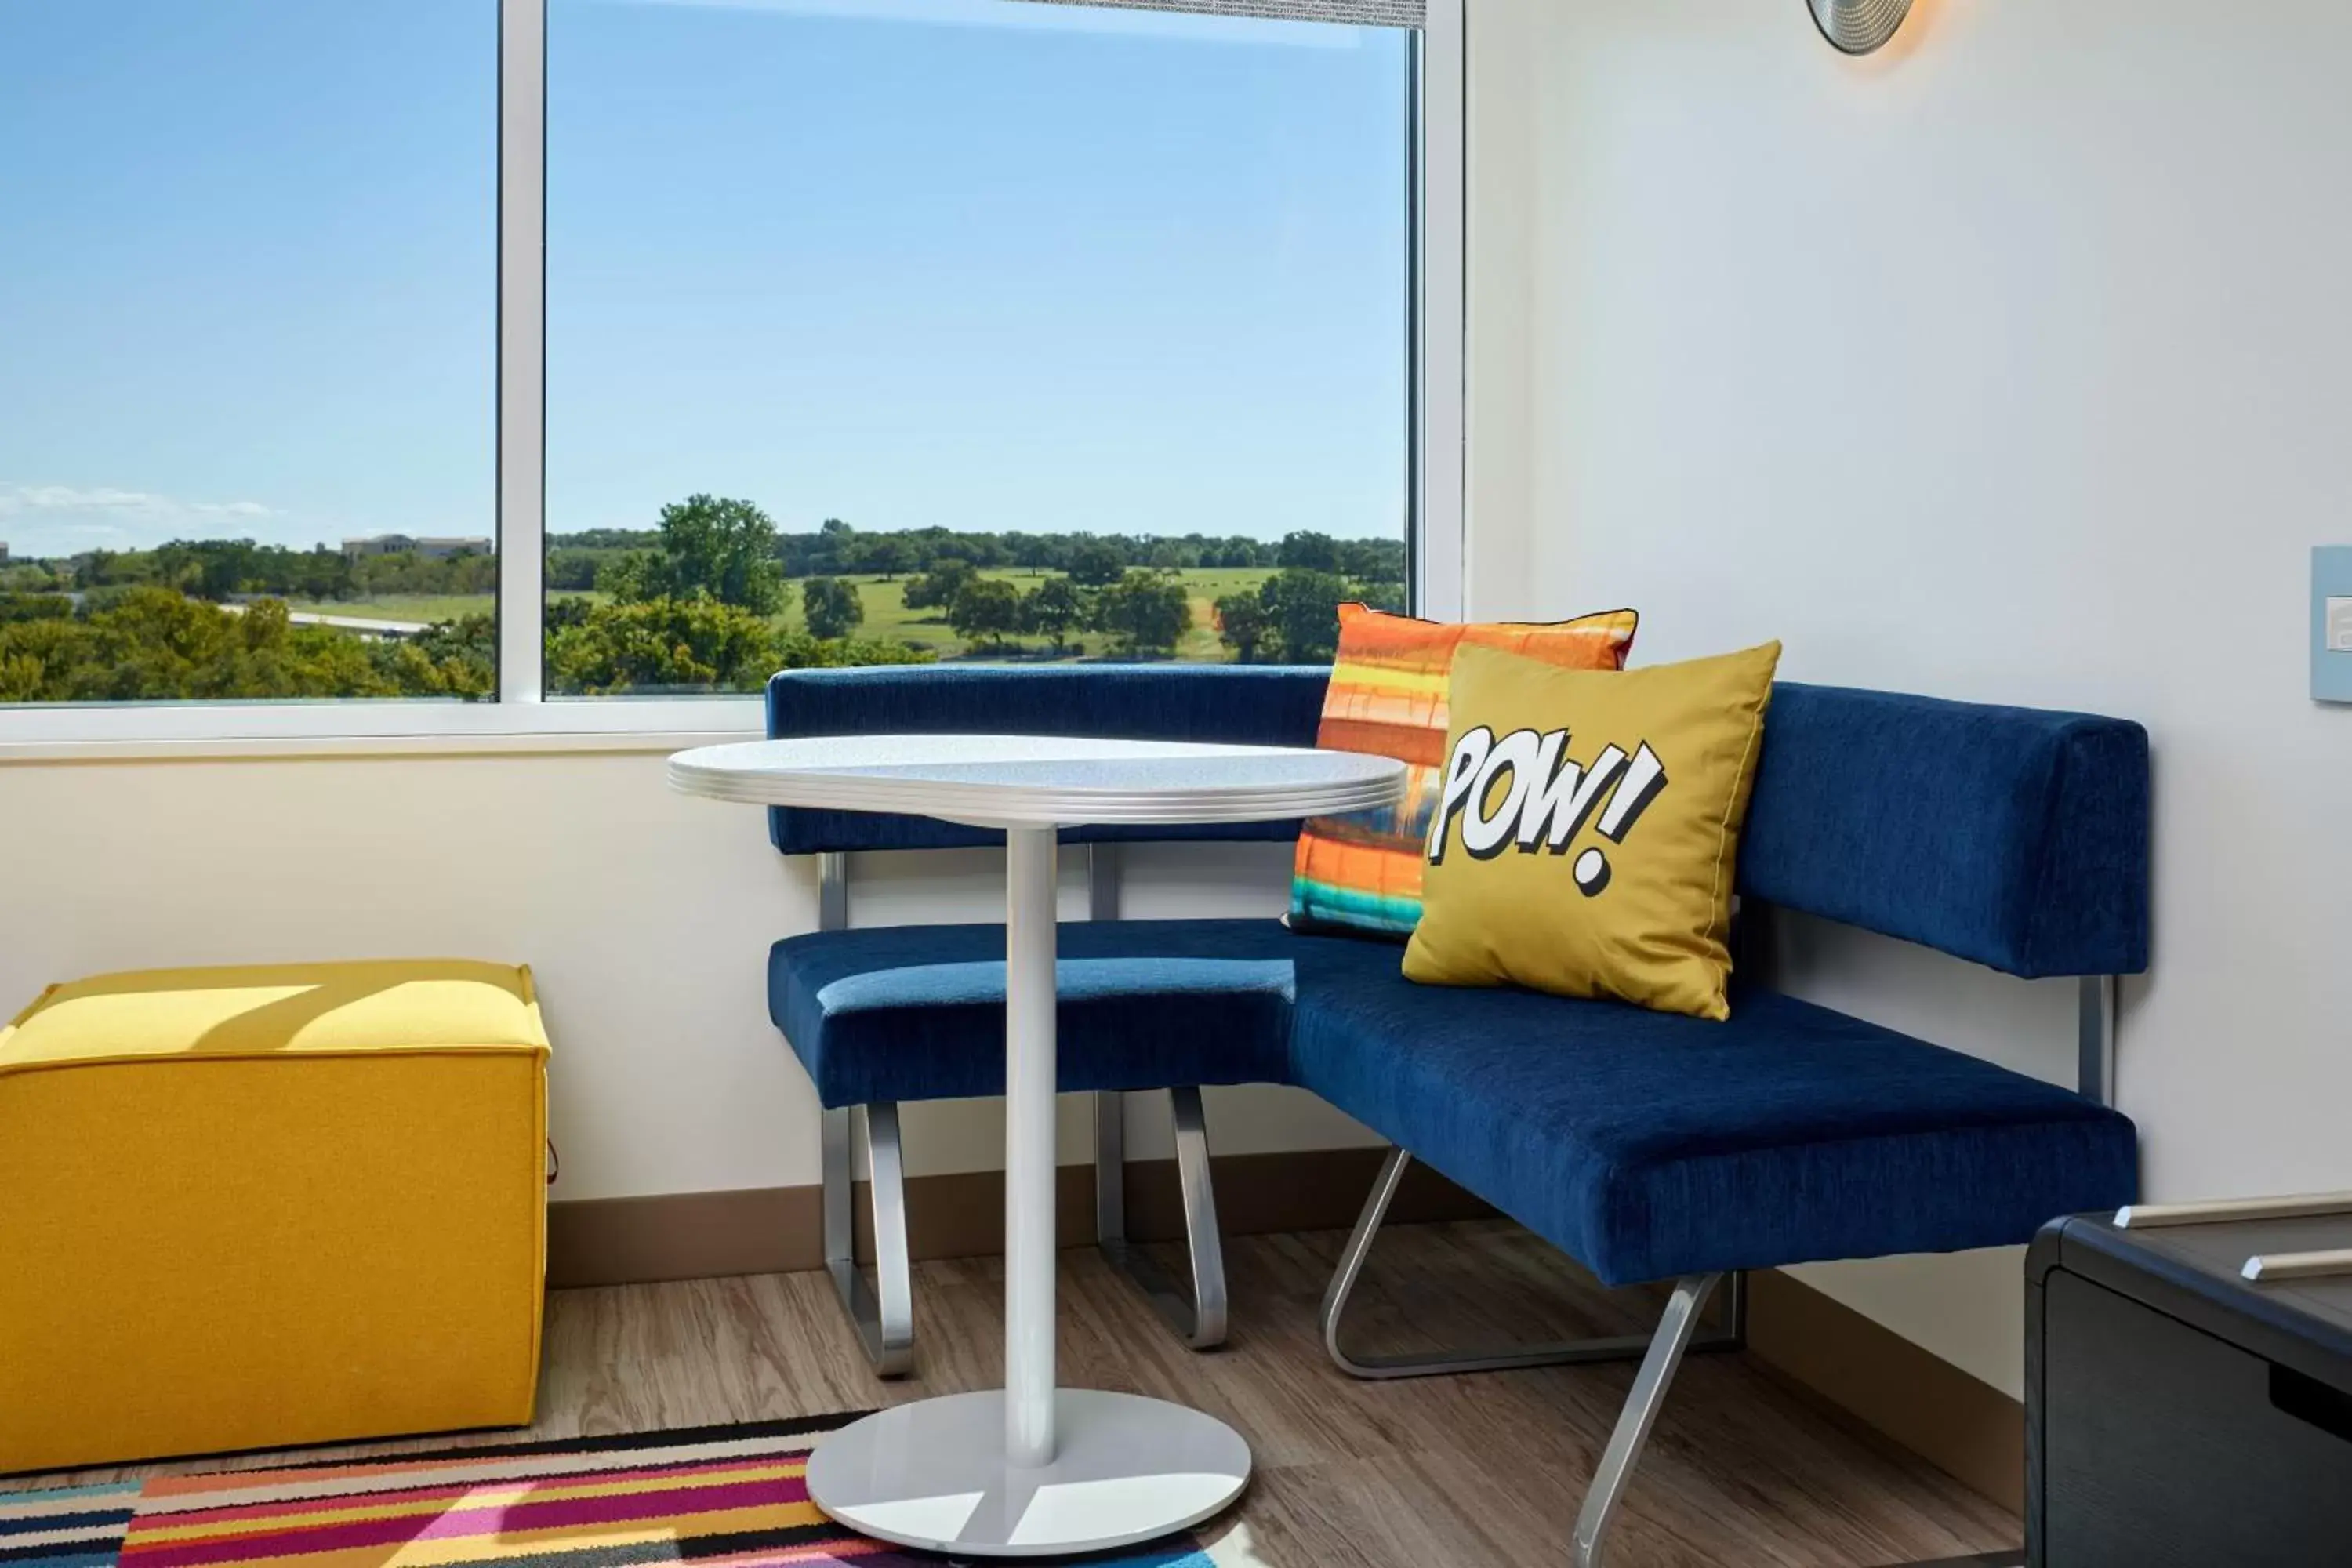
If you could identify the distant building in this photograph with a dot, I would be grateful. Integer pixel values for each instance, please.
(404, 544)
(3, 552)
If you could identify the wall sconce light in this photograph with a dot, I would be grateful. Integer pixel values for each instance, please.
(1859, 26)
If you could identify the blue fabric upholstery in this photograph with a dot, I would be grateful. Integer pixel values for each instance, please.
(1649, 1145)
(2014, 838)
(917, 1012)
(1646, 1144)
(2010, 836)
(1268, 705)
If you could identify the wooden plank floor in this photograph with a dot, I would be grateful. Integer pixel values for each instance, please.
(1429, 1473)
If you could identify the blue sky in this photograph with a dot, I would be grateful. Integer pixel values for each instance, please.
(973, 263)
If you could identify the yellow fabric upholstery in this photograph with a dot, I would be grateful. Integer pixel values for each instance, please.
(1533, 879)
(255, 1208)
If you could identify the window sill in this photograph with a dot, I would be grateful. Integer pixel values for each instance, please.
(205, 733)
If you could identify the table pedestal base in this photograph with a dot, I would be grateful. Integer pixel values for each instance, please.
(933, 1475)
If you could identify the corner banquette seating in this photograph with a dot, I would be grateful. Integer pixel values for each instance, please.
(1649, 1147)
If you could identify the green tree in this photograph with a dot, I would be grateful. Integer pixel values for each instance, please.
(1372, 559)
(1310, 551)
(838, 539)
(464, 654)
(1304, 608)
(798, 650)
(883, 554)
(213, 569)
(1096, 563)
(1052, 608)
(830, 606)
(1243, 625)
(1144, 614)
(986, 609)
(692, 644)
(35, 607)
(103, 568)
(665, 644)
(936, 588)
(144, 643)
(410, 572)
(604, 538)
(711, 547)
(631, 576)
(1029, 551)
(575, 571)
(32, 578)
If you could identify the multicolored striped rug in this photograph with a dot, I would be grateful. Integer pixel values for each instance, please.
(716, 1497)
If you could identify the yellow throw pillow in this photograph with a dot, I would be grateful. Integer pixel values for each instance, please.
(1586, 826)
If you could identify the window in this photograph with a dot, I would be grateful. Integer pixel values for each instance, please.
(483, 353)
(248, 350)
(980, 329)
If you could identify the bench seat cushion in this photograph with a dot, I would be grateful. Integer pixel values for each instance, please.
(911, 1013)
(1650, 1145)
(1647, 1145)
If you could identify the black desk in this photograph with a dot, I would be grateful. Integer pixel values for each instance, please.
(2177, 1415)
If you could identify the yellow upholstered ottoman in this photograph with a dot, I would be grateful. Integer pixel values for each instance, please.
(255, 1208)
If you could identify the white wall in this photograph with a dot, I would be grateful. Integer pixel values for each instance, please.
(645, 916)
(2015, 364)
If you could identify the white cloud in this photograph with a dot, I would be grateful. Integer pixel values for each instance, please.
(16, 498)
(62, 519)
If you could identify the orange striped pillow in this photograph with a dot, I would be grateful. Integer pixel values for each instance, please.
(1362, 872)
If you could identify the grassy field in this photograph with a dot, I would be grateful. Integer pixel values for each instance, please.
(886, 615)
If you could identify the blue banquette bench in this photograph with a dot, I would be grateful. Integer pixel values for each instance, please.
(1649, 1147)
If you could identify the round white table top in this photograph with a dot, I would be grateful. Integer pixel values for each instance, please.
(1041, 780)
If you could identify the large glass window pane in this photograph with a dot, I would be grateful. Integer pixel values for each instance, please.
(248, 349)
(938, 329)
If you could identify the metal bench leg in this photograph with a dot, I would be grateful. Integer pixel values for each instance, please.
(1626, 1347)
(1659, 1365)
(883, 1313)
(1198, 1316)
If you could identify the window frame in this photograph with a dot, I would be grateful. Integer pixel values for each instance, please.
(522, 717)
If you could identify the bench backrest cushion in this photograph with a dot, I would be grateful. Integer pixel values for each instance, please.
(2013, 836)
(1266, 705)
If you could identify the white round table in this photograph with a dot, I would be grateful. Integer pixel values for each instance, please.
(1034, 1470)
